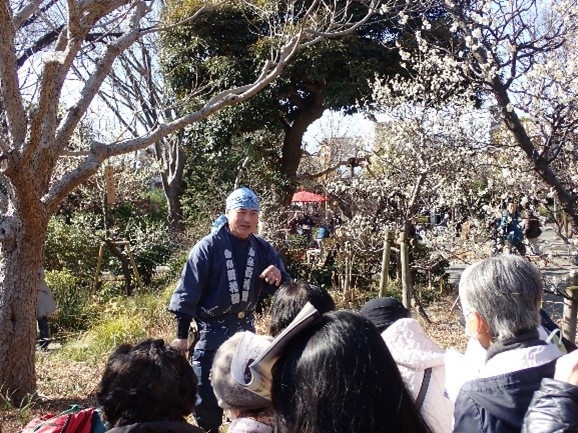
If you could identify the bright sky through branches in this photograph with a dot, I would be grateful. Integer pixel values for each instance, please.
(334, 124)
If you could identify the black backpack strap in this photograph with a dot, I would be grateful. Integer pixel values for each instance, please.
(424, 386)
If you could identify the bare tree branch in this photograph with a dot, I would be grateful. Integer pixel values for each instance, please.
(100, 151)
(26, 12)
(92, 86)
(11, 96)
(356, 161)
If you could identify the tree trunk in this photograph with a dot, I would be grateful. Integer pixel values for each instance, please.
(124, 263)
(22, 250)
(542, 165)
(172, 159)
(406, 280)
(309, 111)
(174, 210)
(385, 259)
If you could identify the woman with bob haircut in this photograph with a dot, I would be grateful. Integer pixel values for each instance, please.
(338, 376)
(500, 299)
(147, 388)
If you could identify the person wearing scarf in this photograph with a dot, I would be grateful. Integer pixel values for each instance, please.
(219, 287)
(500, 299)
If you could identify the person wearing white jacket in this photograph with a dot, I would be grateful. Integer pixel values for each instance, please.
(419, 359)
(421, 364)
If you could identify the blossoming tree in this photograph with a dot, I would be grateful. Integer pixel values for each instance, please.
(522, 56)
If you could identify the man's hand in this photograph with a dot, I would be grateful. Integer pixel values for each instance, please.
(567, 368)
(180, 344)
(271, 275)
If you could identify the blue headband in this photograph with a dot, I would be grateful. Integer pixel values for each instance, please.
(242, 198)
(218, 223)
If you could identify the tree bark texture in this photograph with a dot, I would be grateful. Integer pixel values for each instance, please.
(21, 258)
(172, 158)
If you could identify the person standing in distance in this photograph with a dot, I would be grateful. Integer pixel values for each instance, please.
(511, 228)
(44, 308)
(220, 287)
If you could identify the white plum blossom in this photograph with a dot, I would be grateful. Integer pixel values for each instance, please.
(403, 18)
(440, 151)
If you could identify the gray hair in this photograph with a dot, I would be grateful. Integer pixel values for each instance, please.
(506, 291)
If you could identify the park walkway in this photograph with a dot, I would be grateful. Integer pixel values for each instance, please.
(558, 268)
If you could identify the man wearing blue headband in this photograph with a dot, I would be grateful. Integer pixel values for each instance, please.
(219, 287)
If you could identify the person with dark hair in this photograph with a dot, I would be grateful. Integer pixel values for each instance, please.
(384, 311)
(338, 376)
(147, 388)
(500, 299)
(291, 297)
(419, 359)
(532, 230)
(511, 228)
(220, 288)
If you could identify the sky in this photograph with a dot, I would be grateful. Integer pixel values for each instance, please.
(337, 124)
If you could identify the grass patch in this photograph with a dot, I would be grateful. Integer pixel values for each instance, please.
(20, 413)
(70, 373)
(123, 320)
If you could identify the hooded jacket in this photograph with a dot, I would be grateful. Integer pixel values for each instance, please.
(415, 353)
(46, 305)
(497, 401)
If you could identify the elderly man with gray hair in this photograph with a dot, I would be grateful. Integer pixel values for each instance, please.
(500, 299)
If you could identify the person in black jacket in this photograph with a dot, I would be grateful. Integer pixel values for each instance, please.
(500, 299)
(554, 407)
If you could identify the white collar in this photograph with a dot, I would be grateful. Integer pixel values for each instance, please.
(519, 359)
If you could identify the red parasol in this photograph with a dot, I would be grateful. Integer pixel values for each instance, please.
(307, 197)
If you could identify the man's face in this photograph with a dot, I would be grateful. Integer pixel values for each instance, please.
(243, 222)
(511, 208)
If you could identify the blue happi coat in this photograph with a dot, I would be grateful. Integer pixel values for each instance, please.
(212, 290)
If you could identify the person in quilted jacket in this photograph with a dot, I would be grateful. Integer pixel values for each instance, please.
(419, 359)
(554, 407)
